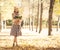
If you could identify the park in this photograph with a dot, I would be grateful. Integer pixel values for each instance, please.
(41, 24)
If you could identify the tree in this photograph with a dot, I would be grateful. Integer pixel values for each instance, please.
(37, 16)
(58, 23)
(29, 15)
(50, 16)
(32, 13)
(41, 16)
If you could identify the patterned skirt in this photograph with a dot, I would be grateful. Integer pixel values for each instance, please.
(15, 30)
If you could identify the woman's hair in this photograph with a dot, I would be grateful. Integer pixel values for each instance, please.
(16, 9)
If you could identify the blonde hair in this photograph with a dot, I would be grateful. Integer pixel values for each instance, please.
(16, 9)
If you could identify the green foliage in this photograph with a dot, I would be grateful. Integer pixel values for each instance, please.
(54, 22)
(19, 17)
(8, 22)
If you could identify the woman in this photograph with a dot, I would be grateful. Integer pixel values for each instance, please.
(16, 26)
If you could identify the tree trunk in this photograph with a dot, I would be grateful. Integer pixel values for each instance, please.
(0, 21)
(37, 16)
(41, 17)
(50, 16)
(32, 14)
(58, 24)
(29, 15)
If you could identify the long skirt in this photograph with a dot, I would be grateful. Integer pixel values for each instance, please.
(16, 30)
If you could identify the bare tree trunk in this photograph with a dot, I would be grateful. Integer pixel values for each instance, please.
(37, 16)
(50, 16)
(0, 20)
(41, 17)
(29, 15)
(58, 24)
(32, 14)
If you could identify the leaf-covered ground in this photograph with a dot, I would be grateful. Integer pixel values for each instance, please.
(36, 43)
(32, 41)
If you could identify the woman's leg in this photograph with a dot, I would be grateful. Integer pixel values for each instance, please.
(15, 41)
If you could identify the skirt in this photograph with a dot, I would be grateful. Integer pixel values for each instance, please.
(16, 30)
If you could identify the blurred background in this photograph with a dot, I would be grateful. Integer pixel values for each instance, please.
(30, 10)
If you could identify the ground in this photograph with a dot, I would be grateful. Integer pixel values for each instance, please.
(31, 40)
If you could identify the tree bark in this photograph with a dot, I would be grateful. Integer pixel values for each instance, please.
(0, 21)
(32, 14)
(29, 15)
(37, 16)
(50, 16)
(58, 24)
(41, 16)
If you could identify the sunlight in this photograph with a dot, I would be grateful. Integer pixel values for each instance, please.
(18, 3)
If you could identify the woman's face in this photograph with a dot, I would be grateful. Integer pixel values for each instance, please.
(16, 9)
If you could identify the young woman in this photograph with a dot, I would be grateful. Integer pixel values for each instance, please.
(16, 26)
